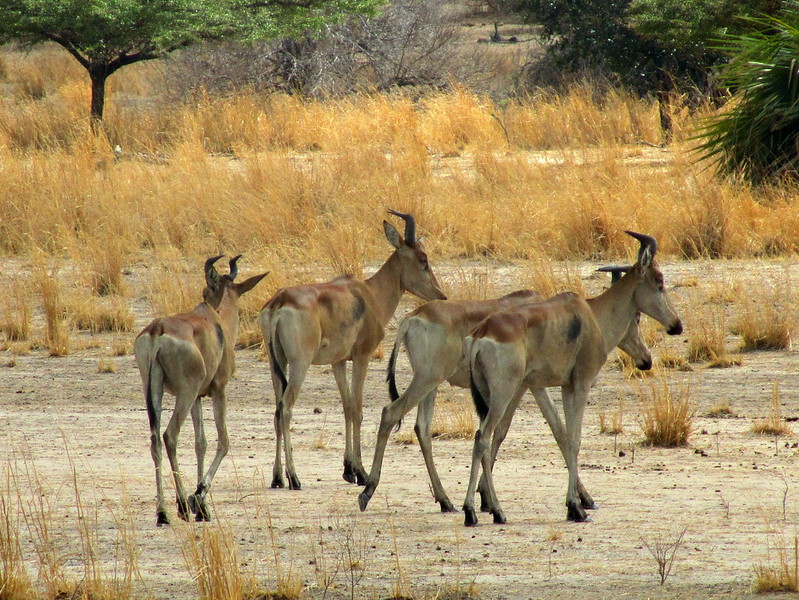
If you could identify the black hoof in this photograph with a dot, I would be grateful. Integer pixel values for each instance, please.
(183, 510)
(363, 500)
(362, 478)
(294, 483)
(470, 517)
(589, 505)
(484, 507)
(576, 513)
(447, 506)
(277, 482)
(349, 477)
(161, 518)
(499, 517)
(202, 515)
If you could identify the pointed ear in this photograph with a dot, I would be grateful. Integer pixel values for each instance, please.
(392, 235)
(246, 285)
(645, 257)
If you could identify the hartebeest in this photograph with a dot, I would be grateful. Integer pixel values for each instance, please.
(191, 355)
(433, 336)
(561, 342)
(331, 323)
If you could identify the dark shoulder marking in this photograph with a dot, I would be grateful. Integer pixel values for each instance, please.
(220, 335)
(358, 308)
(573, 331)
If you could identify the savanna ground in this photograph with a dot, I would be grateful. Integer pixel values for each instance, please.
(535, 193)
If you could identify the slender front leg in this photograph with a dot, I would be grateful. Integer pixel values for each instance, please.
(389, 418)
(360, 362)
(558, 429)
(574, 400)
(423, 428)
(340, 373)
(197, 501)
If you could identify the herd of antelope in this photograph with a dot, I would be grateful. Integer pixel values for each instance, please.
(497, 348)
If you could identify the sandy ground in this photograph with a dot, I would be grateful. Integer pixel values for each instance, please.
(735, 493)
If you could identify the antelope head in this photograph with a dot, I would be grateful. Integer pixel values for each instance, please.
(650, 293)
(216, 284)
(632, 343)
(416, 274)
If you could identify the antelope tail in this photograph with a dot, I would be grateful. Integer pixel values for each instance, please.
(393, 392)
(273, 339)
(392, 361)
(480, 403)
(150, 364)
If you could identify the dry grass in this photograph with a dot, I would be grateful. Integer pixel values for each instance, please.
(56, 323)
(707, 333)
(782, 576)
(767, 319)
(211, 557)
(613, 424)
(95, 316)
(773, 423)
(454, 419)
(15, 311)
(666, 414)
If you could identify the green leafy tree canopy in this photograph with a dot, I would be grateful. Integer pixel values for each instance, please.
(106, 35)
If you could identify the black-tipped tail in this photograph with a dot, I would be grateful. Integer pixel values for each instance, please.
(480, 403)
(393, 392)
(277, 368)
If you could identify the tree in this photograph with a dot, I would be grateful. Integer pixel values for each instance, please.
(106, 35)
(649, 45)
(757, 137)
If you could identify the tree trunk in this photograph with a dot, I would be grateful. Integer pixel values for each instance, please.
(98, 78)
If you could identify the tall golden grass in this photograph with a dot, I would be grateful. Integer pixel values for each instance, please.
(310, 180)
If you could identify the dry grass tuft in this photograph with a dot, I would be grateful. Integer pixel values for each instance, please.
(99, 317)
(212, 560)
(15, 583)
(106, 365)
(768, 320)
(454, 419)
(666, 414)
(15, 309)
(773, 424)
(613, 425)
(782, 577)
(57, 331)
(722, 410)
(707, 332)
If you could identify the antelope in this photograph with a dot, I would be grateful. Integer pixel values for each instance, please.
(433, 336)
(191, 356)
(331, 323)
(563, 342)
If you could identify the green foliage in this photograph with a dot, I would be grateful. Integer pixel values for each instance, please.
(756, 137)
(648, 45)
(106, 35)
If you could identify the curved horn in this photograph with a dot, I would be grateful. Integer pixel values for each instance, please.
(646, 242)
(211, 276)
(410, 226)
(234, 270)
(615, 272)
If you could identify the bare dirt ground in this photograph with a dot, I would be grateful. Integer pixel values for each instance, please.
(733, 491)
